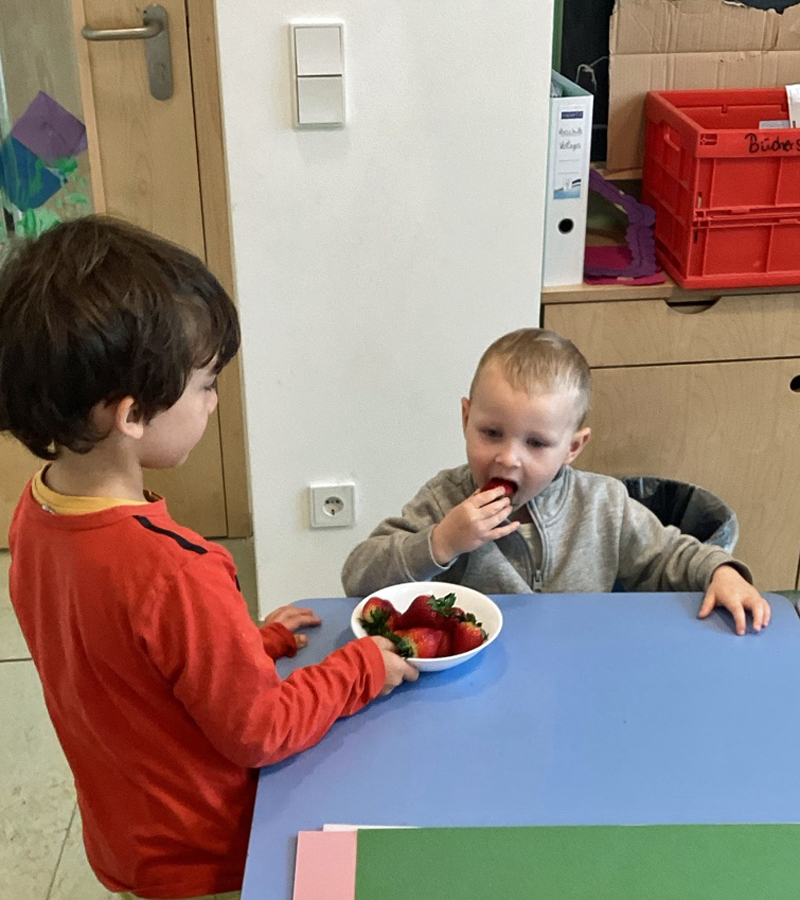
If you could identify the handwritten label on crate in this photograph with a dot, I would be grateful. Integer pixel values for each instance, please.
(768, 143)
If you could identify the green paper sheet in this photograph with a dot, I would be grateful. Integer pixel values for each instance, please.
(603, 862)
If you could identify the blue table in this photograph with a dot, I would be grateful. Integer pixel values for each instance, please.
(588, 709)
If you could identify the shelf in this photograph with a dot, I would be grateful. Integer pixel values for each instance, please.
(669, 290)
(589, 293)
(619, 174)
(606, 225)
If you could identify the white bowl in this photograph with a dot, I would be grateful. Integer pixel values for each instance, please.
(486, 611)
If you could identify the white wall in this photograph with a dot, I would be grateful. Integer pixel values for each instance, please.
(375, 263)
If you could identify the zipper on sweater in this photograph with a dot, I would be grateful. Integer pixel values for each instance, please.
(538, 574)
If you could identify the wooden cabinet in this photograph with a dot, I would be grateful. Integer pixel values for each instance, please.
(704, 390)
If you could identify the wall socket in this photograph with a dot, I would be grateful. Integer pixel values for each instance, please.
(332, 505)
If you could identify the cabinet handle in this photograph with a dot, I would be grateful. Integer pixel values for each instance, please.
(693, 307)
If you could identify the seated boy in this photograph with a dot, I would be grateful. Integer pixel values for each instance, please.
(162, 691)
(562, 530)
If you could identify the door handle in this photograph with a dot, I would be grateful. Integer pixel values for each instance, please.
(155, 32)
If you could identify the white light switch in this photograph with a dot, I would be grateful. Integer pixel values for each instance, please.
(318, 74)
(318, 49)
(320, 100)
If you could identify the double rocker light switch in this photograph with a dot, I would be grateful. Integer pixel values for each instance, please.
(318, 75)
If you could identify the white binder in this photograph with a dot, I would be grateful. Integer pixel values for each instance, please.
(567, 183)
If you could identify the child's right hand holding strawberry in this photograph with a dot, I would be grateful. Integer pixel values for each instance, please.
(397, 669)
(474, 522)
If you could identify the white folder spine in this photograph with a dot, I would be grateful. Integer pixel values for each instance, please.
(567, 183)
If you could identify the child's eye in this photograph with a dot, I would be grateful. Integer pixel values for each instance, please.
(535, 442)
(491, 432)
(212, 386)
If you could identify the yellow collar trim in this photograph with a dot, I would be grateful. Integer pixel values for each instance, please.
(67, 505)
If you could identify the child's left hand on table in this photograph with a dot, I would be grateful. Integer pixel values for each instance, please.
(294, 618)
(729, 590)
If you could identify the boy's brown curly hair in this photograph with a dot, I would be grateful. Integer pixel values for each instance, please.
(96, 309)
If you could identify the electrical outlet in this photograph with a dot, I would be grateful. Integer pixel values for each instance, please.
(332, 505)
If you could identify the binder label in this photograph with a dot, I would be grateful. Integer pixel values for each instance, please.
(570, 146)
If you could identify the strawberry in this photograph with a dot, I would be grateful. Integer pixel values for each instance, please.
(378, 616)
(445, 645)
(457, 614)
(427, 611)
(508, 486)
(421, 642)
(467, 635)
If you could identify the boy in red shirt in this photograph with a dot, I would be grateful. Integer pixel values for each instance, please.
(162, 691)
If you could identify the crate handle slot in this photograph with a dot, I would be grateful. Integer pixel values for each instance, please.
(670, 137)
(794, 384)
(692, 307)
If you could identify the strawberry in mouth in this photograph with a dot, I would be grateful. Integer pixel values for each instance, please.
(509, 487)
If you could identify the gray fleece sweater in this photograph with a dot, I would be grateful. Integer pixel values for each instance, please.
(587, 535)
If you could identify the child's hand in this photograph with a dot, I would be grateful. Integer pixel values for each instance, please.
(729, 589)
(397, 669)
(293, 618)
(473, 523)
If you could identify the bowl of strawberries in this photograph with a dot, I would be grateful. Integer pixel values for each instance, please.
(433, 624)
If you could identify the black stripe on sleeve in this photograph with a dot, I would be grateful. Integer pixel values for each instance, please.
(179, 539)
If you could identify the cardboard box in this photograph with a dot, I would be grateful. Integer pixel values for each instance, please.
(688, 44)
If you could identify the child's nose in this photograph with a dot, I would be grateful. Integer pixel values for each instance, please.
(507, 454)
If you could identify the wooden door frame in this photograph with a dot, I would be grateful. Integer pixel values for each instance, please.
(203, 56)
(219, 256)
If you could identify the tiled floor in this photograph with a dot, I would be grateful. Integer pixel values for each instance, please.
(41, 850)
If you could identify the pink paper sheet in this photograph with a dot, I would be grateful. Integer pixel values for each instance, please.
(325, 865)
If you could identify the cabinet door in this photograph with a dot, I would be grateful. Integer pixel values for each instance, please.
(652, 332)
(731, 427)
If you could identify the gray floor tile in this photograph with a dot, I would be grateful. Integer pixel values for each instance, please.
(36, 791)
(74, 879)
(12, 644)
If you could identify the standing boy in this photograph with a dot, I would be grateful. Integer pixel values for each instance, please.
(560, 530)
(163, 693)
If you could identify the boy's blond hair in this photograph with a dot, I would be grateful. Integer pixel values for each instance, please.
(538, 361)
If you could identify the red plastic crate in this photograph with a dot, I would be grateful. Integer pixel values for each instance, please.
(726, 192)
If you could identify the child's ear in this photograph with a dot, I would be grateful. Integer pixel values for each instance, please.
(464, 413)
(128, 419)
(577, 443)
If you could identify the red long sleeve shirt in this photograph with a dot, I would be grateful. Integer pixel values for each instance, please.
(161, 692)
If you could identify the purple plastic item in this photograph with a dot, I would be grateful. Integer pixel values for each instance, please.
(617, 259)
(638, 235)
(49, 131)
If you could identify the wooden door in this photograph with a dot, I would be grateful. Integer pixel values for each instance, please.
(730, 427)
(148, 159)
(143, 157)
